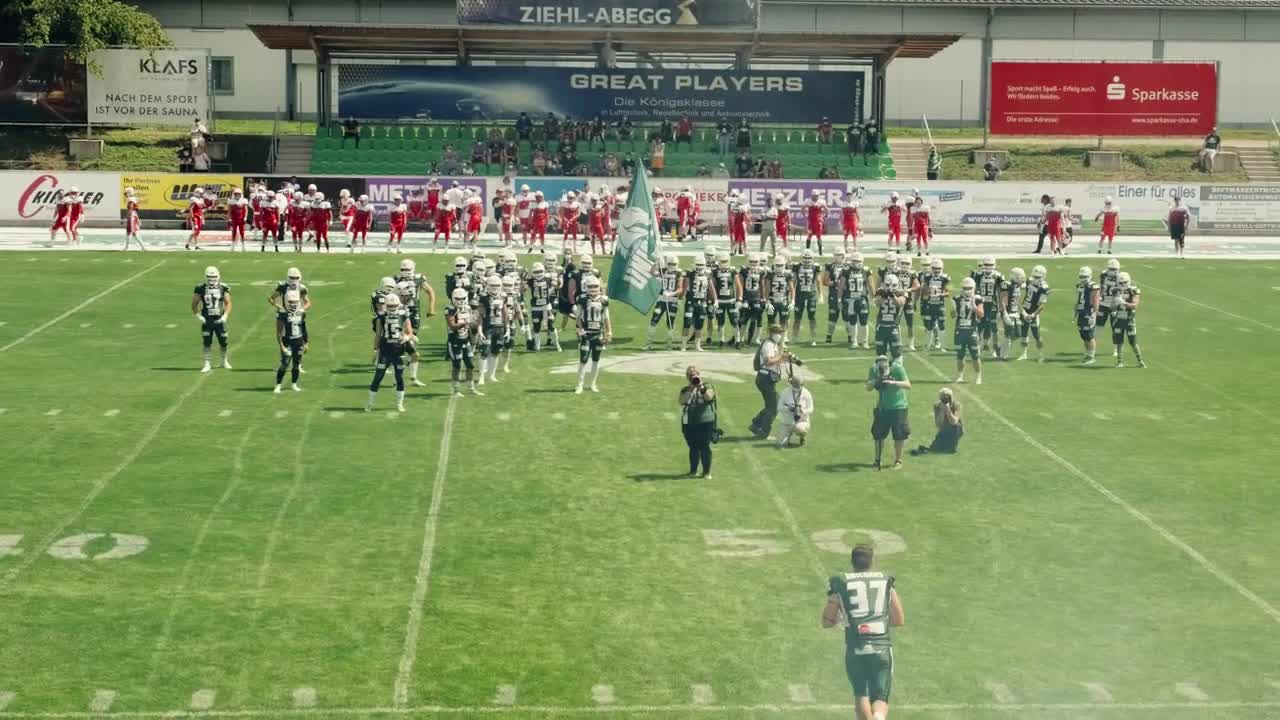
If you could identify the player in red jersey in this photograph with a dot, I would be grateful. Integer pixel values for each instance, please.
(62, 217)
(596, 212)
(362, 222)
(434, 192)
(76, 214)
(739, 219)
(911, 223)
(131, 222)
(321, 216)
(570, 210)
(922, 226)
(782, 221)
(443, 224)
(850, 219)
(296, 219)
(473, 206)
(1110, 217)
(539, 216)
(237, 216)
(684, 211)
(268, 219)
(816, 214)
(894, 210)
(195, 218)
(346, 213)
(1053, 227)
(659, 207)
(524, 203)
(397, 221)
(619, 204)
(506, 217)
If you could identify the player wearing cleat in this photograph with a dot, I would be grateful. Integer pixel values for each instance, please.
(968, 310)
(921, 226)
(888, 304)
(934, 287)
(377, 302)
(195, 217)
(1124, 322)
(237, 216)
(1032, 305)
(781, 298)
(541, 286)
(894, 211)
(1110, 217)
(291, 282)
(410, 285)
(595, 330)
(667, 305)
(727, 287)
(698, 294)
(850, 220)
(347, 213)
(816, 219)
(395, 333)
(751, 310)
(131, 222)
(443, 224)
(910, 285)
(1088, 298)
(473, 213)
(362, 222)
(807, 277)
(495, 324)
(458, 347)
(1109, 284)
(268, 219)
(397, 221)
(511, 297)
(291, 335)
(1012, 294)
(1178, 221)
(769, 223)
(865, 603)
(461, 278)
(856, 293)
(211, 307)
(989, 283)
(833, 281)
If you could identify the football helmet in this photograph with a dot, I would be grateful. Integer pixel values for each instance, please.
(212, 277)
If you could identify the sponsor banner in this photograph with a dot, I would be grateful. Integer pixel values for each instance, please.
(646, 14)
(760, 194)
(32, 195)
(141, 87)
(40, 86)
(165, 196)
(469, 93)
(1103, 98)
(711, 193)
(1242, 208)
(381, 190)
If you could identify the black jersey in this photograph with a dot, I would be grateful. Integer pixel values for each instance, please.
(933, 288)
(669, 280)
(1121, 312)
(1013, 294)
(394, 327)
(695, 286)
(493, 312)
(1084, 295)
(462, 316)
(591, 313)
(293, 326)
(283, 288)
(1035, 297)
(988, 285)
(541, 290)
(465, 280)
(408, 286)
(834, 274)
(966, 312)
(779, 286)
(567, 274)
(806, 277)
(725, 285)
(1110, 284)
(752, 283)
(213, 300)
(888, 311)
(857, 283)
(906, 279)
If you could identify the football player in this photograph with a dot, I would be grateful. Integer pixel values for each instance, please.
(397, 221)
(291, 282)
(410, 284)
(921, 226)
(816, 215)
(1110, 217)
(781, 287)
(1011, 296)
(850, 219)
(495, 322)
(728, 292)
(512, 295)
(667, 306)
(698, 293)
(321, 216)
(237, 216)
(291, 335)
(458, 347)
(893, 210)
(856, 294)
(1087, 301)
(1109, 283)
(395, 334)
(131, 222)
(195, 216)
(833, 280)
(595, 330)
(806, 294)
(773, 217)
(889, 302)
(1179, 219)
(1032, 305)
(934, 287)
(988, 283)
(968, 310)
(461, 278)
(361, 222)
(910, 285)
(268, 220)
(751, 310)
(542, 291)
(1124, 323)
(211, 307)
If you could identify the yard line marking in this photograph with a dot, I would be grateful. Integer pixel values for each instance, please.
(1101, 415)
(1197, 381)
(422, 583)
(6, 697)
(202, 700)
(336, 414)
(801, 694)
(1162, 328)
(557, 416)
(668, 415)
(102, 700)
(1275, 287)
(3, 410)
(1244, 330)
(225, 413)
(1000, 692)
(111, 413)
(1217, 310)
(603, 694)
(281, 414)
(126, 326)
(505, 695)
(1272, 682)
(703, 695)
(41, 328)
(3, 323)
(1204, 562)
(85, 325)
(1207, 416)
(341, 327)
(304, 697)
(830, 415)
(504, 416)
(1046, 416)
(65, 260)
(615, 415)
(1203, 329)
(1155, 416)
(1098, 692)
(55, 412)
(1191, 691)
(171, 326)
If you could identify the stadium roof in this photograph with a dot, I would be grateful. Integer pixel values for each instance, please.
(1120, 4)
(366, 38)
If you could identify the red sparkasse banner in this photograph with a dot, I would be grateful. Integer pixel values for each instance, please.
(1103, 98)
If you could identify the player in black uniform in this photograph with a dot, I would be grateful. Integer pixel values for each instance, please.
(1087, 301)
(595, 330)
(1109, 284)
(988, 291)
(697, 295)
(1124, 323)
(512, 296)
(495, 324)
(727, 287)
(564, 302)
(395, 336)
(410, 284)
(781, 287)
(211, 307)
(541, 287)
(751, 310)
(291, 335)
(934, 287)
(458, 347)
(806, 273)
(1032, 305)
(667, 306)
(889, 302)
(856, 295)
(968, 312)
(865, 603)
(833, 280)
(1011, 295)
(461, 277)
(911, 289)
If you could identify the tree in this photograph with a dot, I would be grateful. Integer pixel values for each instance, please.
(82, 25)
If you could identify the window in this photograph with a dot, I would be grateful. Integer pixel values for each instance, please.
(224, 76)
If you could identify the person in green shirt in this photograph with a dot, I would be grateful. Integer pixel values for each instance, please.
(865, 603)
(889, 379)
(934, 168)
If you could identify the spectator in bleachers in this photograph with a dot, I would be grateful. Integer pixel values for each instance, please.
(611, 165)
(524, 126)
(775, 168)
(597, 131)
(550, 128)
(703, 171)
(667, 132)
(684, 131)
(584, 170)
(449, 159)
(467, 170)
(853, 139)
(829, 173)
(199, 134)
(433, 169)
(511, 168)
(625, 129)
(933, 167)
(350, 129)
(657, 156)
(628, 165)
(184, 159)
(539, 161)
(583, 130)
(745, 165)
(1210, 150)
(568, 159)
(720, 172)
(479, 153)
(825, 131)
(553, 166)
(744, 134)
(761, 169)
(512, 151)
(870, 142)
(724, 134)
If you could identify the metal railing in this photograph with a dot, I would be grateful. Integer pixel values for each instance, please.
(275, 142)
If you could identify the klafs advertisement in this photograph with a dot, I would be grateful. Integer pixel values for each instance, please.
(683, 14)
(1103, 98)
(138, 87)
(470, 93)
(40, 86)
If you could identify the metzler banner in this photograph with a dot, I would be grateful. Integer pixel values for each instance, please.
(1103, 98)
(611, 13)
(137, 87)
(407, 91)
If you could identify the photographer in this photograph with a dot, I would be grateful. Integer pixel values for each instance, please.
(889, 379)
(768, 366)
(949, 422)
(797, 411)
(698, 421)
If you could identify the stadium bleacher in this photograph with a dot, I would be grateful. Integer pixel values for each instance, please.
(410, 149)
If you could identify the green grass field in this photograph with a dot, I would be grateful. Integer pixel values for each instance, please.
(1102, 547)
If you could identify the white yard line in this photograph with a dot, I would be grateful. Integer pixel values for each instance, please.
(102, 701)
(422, 583)
(1191, 691)
(703, 695)
(304, 697)
(1000, 693)
(1204, 562)
(603, 695)
(1217, 310)
(1098, 692)
(41, 328)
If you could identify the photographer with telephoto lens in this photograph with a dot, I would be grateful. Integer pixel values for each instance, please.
(889, 379)
(949, 421)
(698, 421)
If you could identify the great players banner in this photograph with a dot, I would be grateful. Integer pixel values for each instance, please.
(32, 195)
(611, 13)
(1103, 98)
(165, 196)
(467, 93)
(141, 87)
(382, 190)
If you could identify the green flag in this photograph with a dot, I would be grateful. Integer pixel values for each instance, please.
(631, 278)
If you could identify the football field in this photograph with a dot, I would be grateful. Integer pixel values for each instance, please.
(175, 543)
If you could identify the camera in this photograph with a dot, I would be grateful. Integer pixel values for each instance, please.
(696, 380)
(795, 361)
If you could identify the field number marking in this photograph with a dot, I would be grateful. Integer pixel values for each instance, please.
(6, 697)
(1191, 691)
(802, 694)
(304, 697)
(603, 694)
(202, 700)
(744, 543)
(505, 695)
(703, 695)
(1000, 692)
(102, 701)
(75, 547)
(1098, 692)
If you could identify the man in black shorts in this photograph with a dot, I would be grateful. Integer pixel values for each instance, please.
(1179, 219)
(865, 603)
(889, 379)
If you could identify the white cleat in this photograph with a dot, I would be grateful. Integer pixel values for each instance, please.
(419, 383)
(1023, 356)
(594, 388)
(1089, 361)
(302, 370)
(912, 347)
(960, 379)
(476, 391)
(978, 381)
(400, 407)
(506, 368)
(277, 391)
(578, 390)
(296, 388)
(481, 380)
(226, 364)
(206, 368)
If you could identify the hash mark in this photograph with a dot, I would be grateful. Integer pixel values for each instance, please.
(504, 416)
(203, 699)
(225, 413)
(603, 694)
(1000, 692)
(800, 693)
(127, 326)
(102, 700)
(336, 414)
(506, 695)
(1162, 328)
(1101, 416)
(1207, 416)
(171, 325)
(829, 415)
(1098, 693)
(1046, 416)
(281, 414)
(703, 695)
(304, 697)
(111, 413)
(342, 326)
(1155, 416)
(54, 412)
(615, 415)
(1244, 329)
(1191, 691)
(6, 697)
(557, 416)
(1203, 329)
(85, 325)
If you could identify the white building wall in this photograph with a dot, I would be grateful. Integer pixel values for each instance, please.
(259, 72)
(1247, 82)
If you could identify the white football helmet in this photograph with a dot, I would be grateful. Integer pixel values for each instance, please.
(391, 304)
(538, 270)
(904, 262)
(1086, 273)
(387, 284)
(459, 296)
(459, 265)
(968, 287)
(779, 262)
(699, 264)
(891, 283)
(856, 260)
(586, 262)
(806, 257)
(592, 284)
(838, 257)
(1113, 264)
(509, 283)
(406, 267)
(1018, 275)
(294, 277)
(493, 284)
(988, 265)
(891, 259)
(212, 277)
(1124, 279)
(722, 259)
(935, 265)
(1038, 274)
